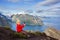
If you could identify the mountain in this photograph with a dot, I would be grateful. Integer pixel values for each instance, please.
(28, 19)
(4, 20)
(52, 33)
(8, 34)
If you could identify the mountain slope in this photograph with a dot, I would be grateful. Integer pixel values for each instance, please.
(4, 21)
(53, 33)
(8, 34)
(28, 19)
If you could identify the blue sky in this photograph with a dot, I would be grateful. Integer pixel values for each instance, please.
(34, 7)
(19, 4)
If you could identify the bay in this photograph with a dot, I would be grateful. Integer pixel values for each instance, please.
(53, 22)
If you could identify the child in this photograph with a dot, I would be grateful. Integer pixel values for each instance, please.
(19, 27)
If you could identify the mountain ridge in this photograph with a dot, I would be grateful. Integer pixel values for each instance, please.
(5, 21)
(28, 19)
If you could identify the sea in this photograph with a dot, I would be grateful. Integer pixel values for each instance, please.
(53, 22)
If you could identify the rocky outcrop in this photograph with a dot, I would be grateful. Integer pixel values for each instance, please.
(28, 19)
(53, 33)
(8, 34)
(4, 21)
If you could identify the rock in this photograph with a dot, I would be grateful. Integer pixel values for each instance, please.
(8, 34)
(52, 33)
(28, 19)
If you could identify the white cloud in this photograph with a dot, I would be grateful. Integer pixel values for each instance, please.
(49, 8)
(28, 0)
(52, 12)
(14, 1)
(22, 12)
(47, 3)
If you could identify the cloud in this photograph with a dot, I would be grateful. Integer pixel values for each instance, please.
(52, 11)
(46, 8)
(49, 8)
(29, 11)
(47, 3)
(14, 1)
(39, 11)
(28, 0)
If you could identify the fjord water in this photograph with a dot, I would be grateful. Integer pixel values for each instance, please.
(51, 21)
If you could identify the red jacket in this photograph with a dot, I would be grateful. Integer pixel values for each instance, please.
(19, 27)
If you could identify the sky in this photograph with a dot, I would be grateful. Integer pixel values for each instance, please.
(35, 7)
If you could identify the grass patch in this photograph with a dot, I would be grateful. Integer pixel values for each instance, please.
(19, 35)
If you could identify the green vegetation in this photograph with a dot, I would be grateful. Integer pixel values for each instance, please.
(7, 34)
(19, 35)
(7, 28)
(28, 19)
(37, 33)
(15, 34)
(22, 35)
